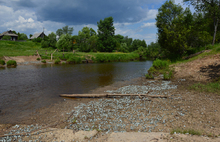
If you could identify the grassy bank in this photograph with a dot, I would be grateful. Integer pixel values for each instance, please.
(164, 67)
(13, 48)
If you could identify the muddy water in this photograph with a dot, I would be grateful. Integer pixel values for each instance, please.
(28, 87)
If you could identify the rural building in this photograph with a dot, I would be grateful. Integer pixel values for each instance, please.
(38, 35)
(9, 33)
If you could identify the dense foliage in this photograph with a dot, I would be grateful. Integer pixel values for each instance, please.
(6, 37)
(106, 32)
(180, 32)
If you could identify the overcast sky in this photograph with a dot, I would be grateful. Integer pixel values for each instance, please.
(132, 18)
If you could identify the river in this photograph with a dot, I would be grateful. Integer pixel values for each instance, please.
(28, 87)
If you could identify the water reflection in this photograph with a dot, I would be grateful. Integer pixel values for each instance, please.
(27, 87)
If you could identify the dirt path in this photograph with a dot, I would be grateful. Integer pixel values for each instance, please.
(21, 59)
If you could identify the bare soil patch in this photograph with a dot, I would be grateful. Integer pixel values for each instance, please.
(202, 70)
(21, 59)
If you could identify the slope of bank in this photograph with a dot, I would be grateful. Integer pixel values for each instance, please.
(18, 51)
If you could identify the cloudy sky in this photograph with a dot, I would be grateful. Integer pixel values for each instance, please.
(132, 18)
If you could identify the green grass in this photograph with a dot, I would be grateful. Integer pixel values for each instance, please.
(160, 64)
(188, 131)
(149, 76)
(211, 87)
(214, 50)
(13, 48)
(160, 67)
(57, 61)
(11, 63)
(2, 62)
(44, 61)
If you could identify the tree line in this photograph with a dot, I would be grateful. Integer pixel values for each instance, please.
(181, 32)
(88, 40)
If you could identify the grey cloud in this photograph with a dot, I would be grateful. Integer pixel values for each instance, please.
(25, 3)
(91, 11)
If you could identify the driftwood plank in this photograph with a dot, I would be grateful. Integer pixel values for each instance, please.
(108, 95)
(193, 55)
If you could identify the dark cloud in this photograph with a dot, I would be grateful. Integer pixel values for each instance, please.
(25, 3)
(91, 11)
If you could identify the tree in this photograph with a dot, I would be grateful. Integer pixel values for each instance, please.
(22, 36)
(30, 35)
(106, 31)
(52, 40)
(172, 31)
(212, 8)
(65, 30)
(128, 41)
(59, 32)
(87, 39)
(65, 43)
(136, 44)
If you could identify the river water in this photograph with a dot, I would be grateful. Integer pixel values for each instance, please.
(28, 87)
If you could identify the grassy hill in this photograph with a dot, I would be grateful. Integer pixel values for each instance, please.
(14, 48)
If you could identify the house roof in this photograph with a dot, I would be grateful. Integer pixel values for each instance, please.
(36, 35)
(9, 33)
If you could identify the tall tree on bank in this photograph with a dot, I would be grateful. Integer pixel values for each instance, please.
(210, 7)
(64, 30)
(106, 32)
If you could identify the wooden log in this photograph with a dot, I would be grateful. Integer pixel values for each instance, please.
(109, 95)
(193, 55)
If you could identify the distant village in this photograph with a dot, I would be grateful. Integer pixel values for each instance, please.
(12, 35)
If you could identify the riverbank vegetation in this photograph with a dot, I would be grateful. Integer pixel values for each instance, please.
(11, 63)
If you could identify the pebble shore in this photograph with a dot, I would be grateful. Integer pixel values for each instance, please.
(120, 114)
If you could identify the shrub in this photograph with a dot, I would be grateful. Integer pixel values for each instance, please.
(151, 70)
(149, 76)
(6, 37)
(43, 61)
(11, 63)
(57, 61)
(38, 59)
(44, 44)
(74, 60)
(39, 39)
(159, 64)
(2, 62)
(168, 76)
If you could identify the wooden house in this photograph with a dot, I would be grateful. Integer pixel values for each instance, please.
(41, 35)
(9, 33)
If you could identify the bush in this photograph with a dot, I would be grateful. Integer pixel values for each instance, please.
(168, 76)
(38, 59)
(57, 61)
(11, 63)
(151, 70)
(74, 60)
(159, 64)
(6, 37)
(39, 39)
(149, 76)
(2, 62)
(43, 61)
(44, 44)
